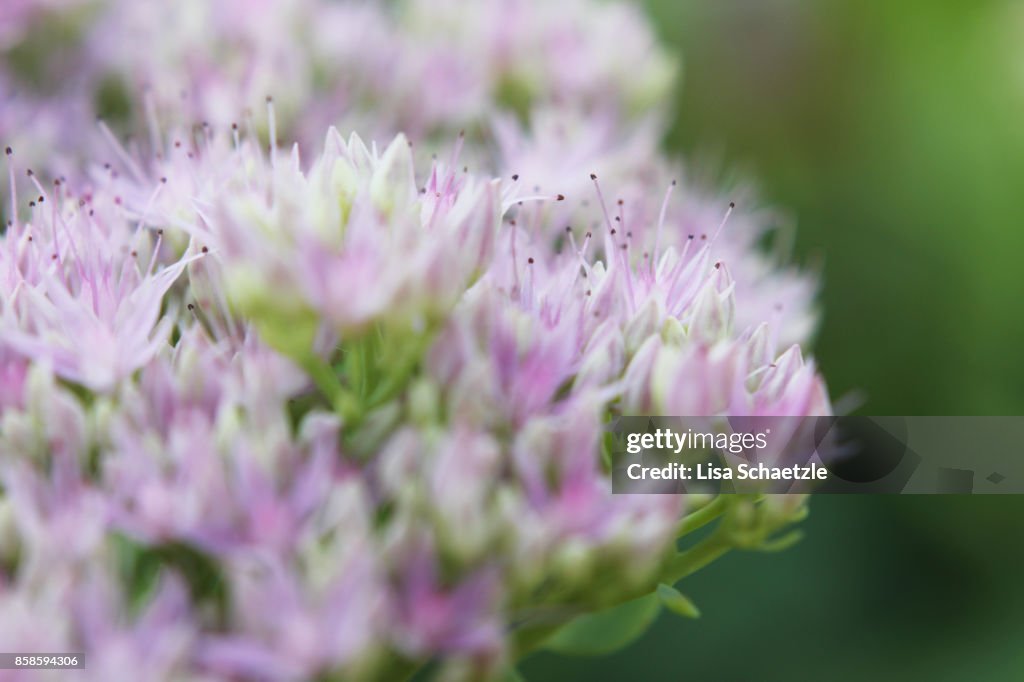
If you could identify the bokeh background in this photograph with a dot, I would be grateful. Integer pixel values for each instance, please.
(893, 134)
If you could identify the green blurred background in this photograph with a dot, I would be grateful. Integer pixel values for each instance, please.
(893, 131)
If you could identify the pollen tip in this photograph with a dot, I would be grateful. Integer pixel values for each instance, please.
(205, 250)
(530, 260)
(593, 176)
(515, 176)
(673, 182)
(9, 151)
(732, 204)
(560, 197)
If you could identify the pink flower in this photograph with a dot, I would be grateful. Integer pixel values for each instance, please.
(78, 295)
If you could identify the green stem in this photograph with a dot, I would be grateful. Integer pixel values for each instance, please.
(402, 368)
(346, 404)
(697, 557)
(702, 516)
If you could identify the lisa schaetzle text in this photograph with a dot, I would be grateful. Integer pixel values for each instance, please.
(742, 472)
(692, 454)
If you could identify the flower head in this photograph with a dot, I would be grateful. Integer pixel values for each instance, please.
(338, 410)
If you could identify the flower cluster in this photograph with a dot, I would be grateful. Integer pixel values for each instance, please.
(335, 410)
(422, 67)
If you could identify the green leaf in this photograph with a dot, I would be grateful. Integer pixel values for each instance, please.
(677, 602)
(607, 631)
(511, 675)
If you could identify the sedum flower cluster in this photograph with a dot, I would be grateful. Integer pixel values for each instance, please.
(279, 403)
